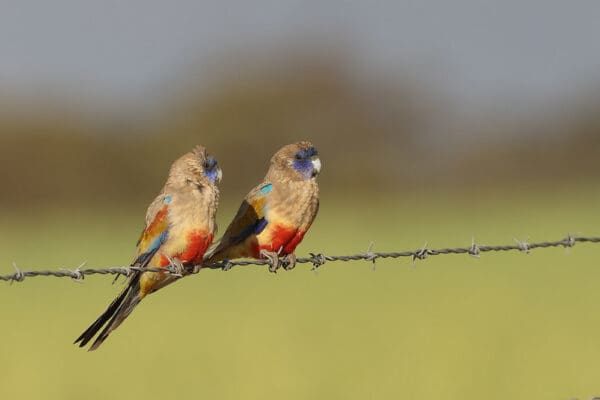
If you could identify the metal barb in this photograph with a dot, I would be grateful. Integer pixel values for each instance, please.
(420, 254)
(121, 271)
(18, 276)
(370, 256)
(317, 260)
(570, 241)
(76, 274)
(524, 246)
(474, 249)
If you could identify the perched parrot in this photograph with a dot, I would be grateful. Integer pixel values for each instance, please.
(276, 214)
(180, 225)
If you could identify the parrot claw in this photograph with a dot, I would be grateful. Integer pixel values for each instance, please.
(227, 265)
(289, 262)
(176, 267)
(196, 269)
(273, 258)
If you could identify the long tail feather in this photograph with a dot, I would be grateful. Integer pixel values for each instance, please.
(129, 303)
(127, 300)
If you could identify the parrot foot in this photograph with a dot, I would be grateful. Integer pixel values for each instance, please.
(273, 258)
(227, 265)
(176, 267)
(289, 262)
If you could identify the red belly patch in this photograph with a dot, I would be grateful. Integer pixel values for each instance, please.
(283, 238)
(197, 243)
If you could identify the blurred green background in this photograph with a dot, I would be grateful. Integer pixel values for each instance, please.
(465, 132)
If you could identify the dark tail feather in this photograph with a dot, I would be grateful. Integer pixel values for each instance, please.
(215, 253)
(133, 299)
(116, 312)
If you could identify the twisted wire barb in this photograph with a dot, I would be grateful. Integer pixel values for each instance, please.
(316, 259)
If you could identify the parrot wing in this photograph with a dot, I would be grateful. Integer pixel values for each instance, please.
(155, 232)
(249, 220)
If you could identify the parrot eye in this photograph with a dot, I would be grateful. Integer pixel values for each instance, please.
(209, 163)
(211, 170)
(301, 155)
(305, 154)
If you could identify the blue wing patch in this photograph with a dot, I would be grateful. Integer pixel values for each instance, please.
(144, 258)
(266, 189)
(156, 243)
(257, 228)
(260, 225)
(258, 222)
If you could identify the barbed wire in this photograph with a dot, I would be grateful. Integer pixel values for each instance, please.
(316, 259)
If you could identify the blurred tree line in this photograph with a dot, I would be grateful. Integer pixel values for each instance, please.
(376, 135)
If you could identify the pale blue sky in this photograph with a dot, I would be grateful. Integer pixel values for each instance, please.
(477, 49)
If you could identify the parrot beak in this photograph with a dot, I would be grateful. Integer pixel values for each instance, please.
(316, 163)
(219, 175)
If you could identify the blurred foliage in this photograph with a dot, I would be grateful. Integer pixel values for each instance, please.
(383, 134)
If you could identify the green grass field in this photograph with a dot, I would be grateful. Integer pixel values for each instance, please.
(505, 326)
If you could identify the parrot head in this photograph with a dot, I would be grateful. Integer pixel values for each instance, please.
(196, 168)
(299, 161)
(211, 169)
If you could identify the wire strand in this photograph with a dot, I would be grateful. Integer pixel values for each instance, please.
(315, 259)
